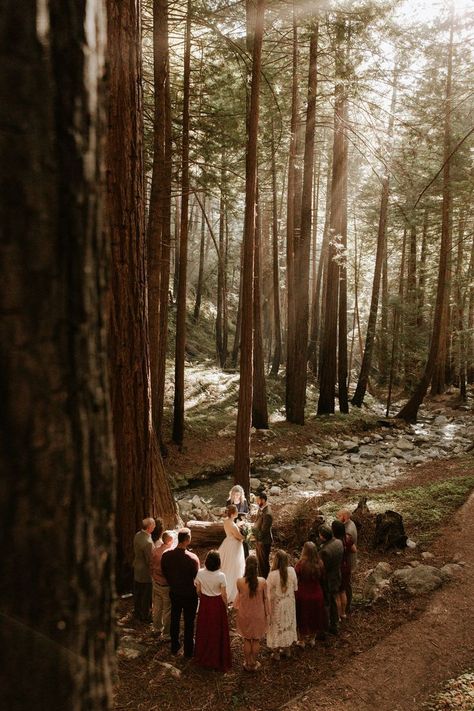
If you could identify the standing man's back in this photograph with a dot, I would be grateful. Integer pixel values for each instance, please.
(142, 587)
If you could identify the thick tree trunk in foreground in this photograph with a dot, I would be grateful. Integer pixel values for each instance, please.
(143, 488)
(409, 411)
(178, 406)
(56, 455)
(302, 245)
(242, 435)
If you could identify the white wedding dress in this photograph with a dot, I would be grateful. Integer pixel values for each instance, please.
(232, 556)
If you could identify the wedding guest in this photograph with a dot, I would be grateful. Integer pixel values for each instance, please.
(180, 567)
(331, 553)
(310, 610)
(252, 608)
(212, 644)
(281, 586)
(231, 552)
(339, 532)
(161, 589)
(237, 498)
(345, 516)
(157, 531)
(142, 582)
(262, 531)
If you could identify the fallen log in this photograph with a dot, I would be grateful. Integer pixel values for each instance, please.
(206, 533)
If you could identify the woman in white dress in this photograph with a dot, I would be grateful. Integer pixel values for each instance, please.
(231, 552)
(282, 584)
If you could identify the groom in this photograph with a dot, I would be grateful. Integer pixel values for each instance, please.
(262, 530)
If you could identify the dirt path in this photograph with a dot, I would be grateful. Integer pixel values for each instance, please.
(405, 668)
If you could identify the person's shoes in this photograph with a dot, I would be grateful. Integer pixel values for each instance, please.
(301, 644)
(312, 643)
(275, 656)
(333, 630)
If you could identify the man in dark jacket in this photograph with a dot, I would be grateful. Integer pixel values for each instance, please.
(180, 567)
(262, 531)
(331, 553)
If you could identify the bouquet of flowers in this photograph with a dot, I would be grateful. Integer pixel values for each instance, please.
(246, 531)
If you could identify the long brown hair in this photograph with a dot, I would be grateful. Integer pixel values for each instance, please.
(251, 575)
(310, 561)
(280, 562)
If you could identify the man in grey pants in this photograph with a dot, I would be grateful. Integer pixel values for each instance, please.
(142, 581)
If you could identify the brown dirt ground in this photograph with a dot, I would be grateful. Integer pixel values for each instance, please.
(388, 656)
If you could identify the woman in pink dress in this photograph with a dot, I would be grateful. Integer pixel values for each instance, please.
(310, 611)
(252, 612)
(212, 644)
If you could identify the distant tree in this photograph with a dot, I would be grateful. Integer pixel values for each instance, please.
(56, 454)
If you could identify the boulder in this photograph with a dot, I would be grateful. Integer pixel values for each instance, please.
(322, 471)
(375, 577)
(404, 444)
(255, 483)
(415, 581)
(450, 570)
(275, 491)
(426, 555)
(206, 533)
(440, 421)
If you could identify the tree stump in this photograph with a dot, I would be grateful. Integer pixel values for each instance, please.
(389, 531)
(206, 533)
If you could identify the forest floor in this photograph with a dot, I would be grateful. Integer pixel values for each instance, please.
(391, 654)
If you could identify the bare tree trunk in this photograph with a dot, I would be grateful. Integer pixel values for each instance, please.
(422, 273)
(57, 460)
(342, 331)
(221, 353)
(242, 435)
(275, 270)
(411, 315)
(302, 246)
(238, 320)
(470, 319)
(380, 257)
(178, 408)
(259, 395)
(459, 345)
(396, 326)
(143, 488)
(197, 304)
(409, 411)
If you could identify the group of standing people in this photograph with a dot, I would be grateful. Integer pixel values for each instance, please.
(283, 603)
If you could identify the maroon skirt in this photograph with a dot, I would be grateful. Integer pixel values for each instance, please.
(212, 644)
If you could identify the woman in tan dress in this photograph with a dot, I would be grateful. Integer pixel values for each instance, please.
(252, 612)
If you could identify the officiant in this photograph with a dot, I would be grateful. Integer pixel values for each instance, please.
(237, 498)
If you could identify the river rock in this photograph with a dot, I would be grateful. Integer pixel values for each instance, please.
(275, 491)
(414, 581)
(351, 447)
(367, 452)
(322, 471)
(450, 570)
(255, 483)
(440, 421)
(426, 555)
(404, 444)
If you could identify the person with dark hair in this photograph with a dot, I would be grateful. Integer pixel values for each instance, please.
(212, 644)
(310, 610)
(232, 552)
(142, 581)
(331, 553)
(252, 612)
(282, 585)
(339, 532)
(180, 567)
(157, 531)
(262, 531)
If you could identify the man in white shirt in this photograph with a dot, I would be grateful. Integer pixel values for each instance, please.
(161, 589)
(142, 584)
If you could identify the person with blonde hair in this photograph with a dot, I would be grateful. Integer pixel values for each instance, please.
(142, 581)
(310, 610)
(282, 585)
(251, 604)
(231, 552)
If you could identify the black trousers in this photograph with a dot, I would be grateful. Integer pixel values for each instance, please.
(263, 558)
(142, 594)
(187, 605)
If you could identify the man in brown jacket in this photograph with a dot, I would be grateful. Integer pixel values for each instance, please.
(262, 531)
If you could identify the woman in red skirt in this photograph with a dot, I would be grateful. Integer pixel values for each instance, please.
(310, 611)
(212, 644)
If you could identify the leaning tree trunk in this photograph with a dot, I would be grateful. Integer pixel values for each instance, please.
(143, 488)
(409, 411)
(242, 435)
(178, 405)
(302, 247)
(380, 257)
(57, 461)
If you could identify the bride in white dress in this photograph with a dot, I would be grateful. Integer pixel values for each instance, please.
(231, 552)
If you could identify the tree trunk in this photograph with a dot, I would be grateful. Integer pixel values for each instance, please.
(290, 228)
(459, 347)
(328, 357)
(396, 326)
(259, 395)
(275, 269)
(178, 407)
(242, 435)
(221, 351)
(409, 411)
(380, 257)
(302, 247)
(470, 319)
(411, 315)
(197, 303)
(422, 273)
(143, 489)
(57, 461)
(342, 331)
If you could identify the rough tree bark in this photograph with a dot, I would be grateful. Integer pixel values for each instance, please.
(343, 394)
(242, 435)
(178, 405)
(56, 455)
(276, 360)
(259, 395)
(197, 303)
(143, 488)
